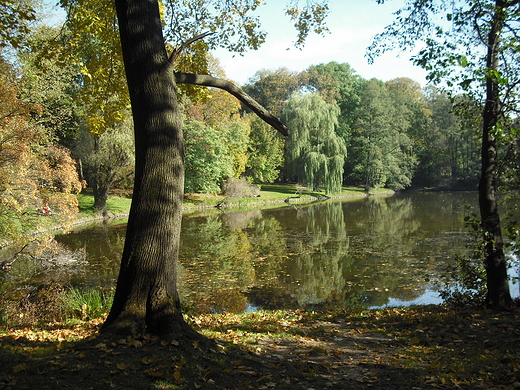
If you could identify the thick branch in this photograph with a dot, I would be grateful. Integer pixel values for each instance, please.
(209, 81)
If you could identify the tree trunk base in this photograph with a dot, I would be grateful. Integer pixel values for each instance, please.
(175, 331)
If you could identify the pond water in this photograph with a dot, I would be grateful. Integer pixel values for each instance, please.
(358, 252)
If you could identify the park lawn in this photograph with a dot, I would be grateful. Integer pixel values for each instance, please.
(269, 193)
(427, 347)
(116, 205)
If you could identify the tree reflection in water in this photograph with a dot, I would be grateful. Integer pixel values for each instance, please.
(333, 254)
(327, 255)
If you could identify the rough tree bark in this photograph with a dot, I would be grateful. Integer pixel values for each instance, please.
(146, 298)
(498, 294)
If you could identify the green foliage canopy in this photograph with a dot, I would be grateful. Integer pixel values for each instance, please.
(15, 19)
(453, 43)
(213, 154)
(265, 152)
(382, 152)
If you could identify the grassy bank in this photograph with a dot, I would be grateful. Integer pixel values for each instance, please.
(430, 347)
(116, 205)
(269, 194)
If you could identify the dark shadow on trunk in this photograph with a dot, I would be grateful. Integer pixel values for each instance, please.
(494, 261)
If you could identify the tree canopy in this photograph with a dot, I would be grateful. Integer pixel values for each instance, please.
(16, 17)
(34, 172)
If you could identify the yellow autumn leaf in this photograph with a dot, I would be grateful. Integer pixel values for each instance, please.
(415, 340)
(122, 366)
(150, 359)
(135, 343)
(147, 360)
(178, 377)
(19, 368)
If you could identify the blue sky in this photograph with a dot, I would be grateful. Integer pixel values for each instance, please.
(352, 25)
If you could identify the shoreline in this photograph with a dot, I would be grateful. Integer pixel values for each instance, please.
(234, 205)
(110, 217)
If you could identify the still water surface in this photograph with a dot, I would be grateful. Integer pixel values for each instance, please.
(361, 252)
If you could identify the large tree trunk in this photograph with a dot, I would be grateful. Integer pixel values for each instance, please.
(495, 262)
(146, 298)
(100, 198)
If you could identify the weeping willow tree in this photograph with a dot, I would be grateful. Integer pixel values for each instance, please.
(315, 154)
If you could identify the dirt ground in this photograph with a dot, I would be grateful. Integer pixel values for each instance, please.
(431, 347)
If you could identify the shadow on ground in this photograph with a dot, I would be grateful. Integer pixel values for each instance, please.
(425, 348)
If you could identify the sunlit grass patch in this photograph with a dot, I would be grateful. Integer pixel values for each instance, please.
(269, 193)
(165, 385)
(115, 204)
(250, 328)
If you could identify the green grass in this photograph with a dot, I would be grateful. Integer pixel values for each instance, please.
(269, 193)
(115, 205)
(86, 305)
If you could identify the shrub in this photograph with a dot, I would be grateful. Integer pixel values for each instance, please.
(86, 305)
(36, 307)
(464, 284)
(239, 187)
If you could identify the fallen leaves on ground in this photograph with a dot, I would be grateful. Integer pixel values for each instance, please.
(431, 347)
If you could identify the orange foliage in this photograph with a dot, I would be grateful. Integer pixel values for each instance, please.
(33, 171)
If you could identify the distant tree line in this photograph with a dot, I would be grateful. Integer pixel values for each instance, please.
(395, 134)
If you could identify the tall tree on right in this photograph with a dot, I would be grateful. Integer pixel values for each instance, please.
(471, 46)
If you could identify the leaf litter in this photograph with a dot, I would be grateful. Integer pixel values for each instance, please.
(428, 347)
